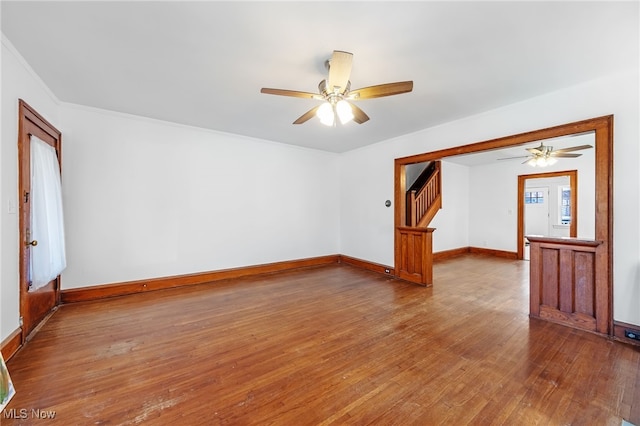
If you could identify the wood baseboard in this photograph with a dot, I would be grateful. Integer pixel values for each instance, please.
(84, 294)
(11, 344)
(447, 254)
(618, 332)
(492, 252)
(364, 264)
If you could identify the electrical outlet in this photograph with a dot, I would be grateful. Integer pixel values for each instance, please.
(632, 334)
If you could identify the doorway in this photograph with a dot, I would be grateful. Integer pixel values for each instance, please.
(572, 176)
(602, 128)
(536, 210)
(34, 305)
(536, 213)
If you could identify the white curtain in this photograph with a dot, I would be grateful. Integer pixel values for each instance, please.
(48, 257)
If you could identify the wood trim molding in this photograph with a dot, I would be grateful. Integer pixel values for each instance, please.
(492, 252)
(563, 242)
(447, 254)
(603, 128)
(34, 306)
(11, 344)
(131, 287)
(588, 125)
(84, 294)
(618, 332)
(15, 341)
(364, 264)
(573, 183)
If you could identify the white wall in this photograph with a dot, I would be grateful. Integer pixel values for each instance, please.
(494, 207)
(552, 222)
(18, 81)
(616, 94)
(148, 199)
(494, 199)
(452, 221)
(366, 223)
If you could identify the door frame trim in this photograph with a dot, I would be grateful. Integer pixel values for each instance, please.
(573, 182)
(28, 120)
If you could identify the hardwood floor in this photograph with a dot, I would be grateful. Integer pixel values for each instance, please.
(326, 345)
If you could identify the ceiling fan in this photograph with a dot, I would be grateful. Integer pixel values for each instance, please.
(545, 155)
(336, 93)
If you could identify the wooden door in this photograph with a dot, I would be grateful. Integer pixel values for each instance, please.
(34, 305)
(536, 211)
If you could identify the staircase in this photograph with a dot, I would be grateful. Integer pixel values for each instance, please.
(424, 197)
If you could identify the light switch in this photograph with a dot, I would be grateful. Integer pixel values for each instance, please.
(11, 209)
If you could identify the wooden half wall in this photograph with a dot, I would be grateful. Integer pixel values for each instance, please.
(564, 283)
(602, 128)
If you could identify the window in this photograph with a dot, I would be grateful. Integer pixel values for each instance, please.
(534, 197)
(565, 205)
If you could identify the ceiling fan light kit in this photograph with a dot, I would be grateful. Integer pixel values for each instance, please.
(542, 161)
(343, 111)
(335, 92)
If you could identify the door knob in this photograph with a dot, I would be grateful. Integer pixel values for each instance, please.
(33, 243)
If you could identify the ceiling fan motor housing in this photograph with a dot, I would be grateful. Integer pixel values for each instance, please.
(334, 96)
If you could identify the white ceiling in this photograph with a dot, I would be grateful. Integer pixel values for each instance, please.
(203, 63)
(519, 154)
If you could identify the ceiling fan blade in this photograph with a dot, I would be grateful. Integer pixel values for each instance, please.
(359, 115)
(564, 155)
(291, 93)
(339, 71)
(574, 148)
(381, 90)
(307, 115)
